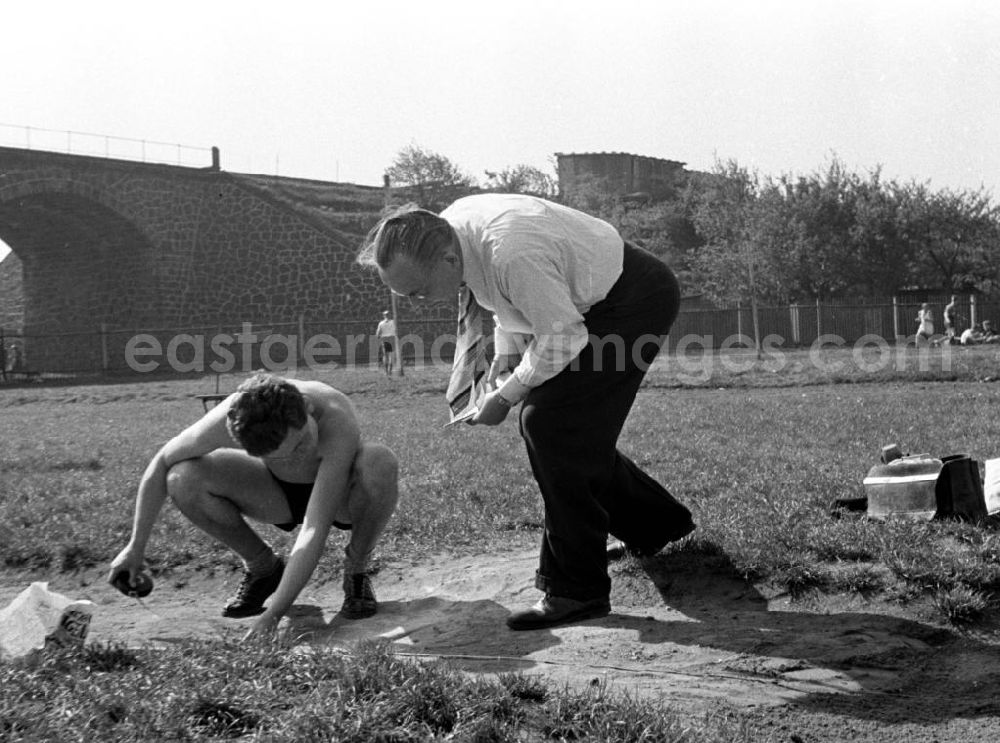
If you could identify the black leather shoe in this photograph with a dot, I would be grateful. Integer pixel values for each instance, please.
(252, 592)
(359, 597)
(552, 611)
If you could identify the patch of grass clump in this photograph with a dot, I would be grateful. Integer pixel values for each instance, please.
(961, 604)
(800, 577)
(220, 719)
(595, 715)
(524, 687)
(270, 691)
(862, 579)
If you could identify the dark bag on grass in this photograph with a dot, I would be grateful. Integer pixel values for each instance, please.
(959, 489)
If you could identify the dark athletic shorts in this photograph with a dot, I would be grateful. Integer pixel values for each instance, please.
(297, 494)
(387, 346)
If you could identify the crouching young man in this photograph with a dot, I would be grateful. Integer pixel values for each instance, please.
(282, 452)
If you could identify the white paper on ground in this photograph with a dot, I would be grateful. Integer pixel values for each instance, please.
(38, 616)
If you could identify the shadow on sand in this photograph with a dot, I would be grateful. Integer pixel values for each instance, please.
(466, 633)
(898, 670)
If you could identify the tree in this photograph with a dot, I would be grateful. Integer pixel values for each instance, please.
(524, 179)
(833, 231)
(592, 194)
(809, 229)
(882, 253)
(955, 234)
(733, 262)
(665, 229)
(434, 179)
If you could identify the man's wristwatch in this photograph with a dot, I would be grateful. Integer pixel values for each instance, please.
(504, 401)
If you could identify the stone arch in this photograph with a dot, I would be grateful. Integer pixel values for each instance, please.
(16, 188)
(83, 264)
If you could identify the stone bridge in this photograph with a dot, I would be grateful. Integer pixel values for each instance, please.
(104, 249)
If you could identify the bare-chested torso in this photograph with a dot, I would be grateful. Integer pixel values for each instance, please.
(303, 471)
(302, 464)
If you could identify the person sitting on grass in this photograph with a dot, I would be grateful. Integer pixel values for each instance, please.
(282, 452)
(971, 336)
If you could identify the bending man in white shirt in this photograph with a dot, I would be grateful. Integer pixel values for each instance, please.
(594, 312)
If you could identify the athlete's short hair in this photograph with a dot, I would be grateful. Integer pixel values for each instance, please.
(265, 408)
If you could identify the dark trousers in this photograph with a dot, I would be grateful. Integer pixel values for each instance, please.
(571, 423)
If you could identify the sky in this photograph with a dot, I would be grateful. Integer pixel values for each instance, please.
(333, 91)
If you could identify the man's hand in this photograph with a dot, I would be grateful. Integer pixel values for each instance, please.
(492, 412)
(503, 364)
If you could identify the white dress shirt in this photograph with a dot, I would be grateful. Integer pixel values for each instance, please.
(538, 266)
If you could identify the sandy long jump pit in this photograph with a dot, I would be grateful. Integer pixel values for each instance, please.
(683, 627)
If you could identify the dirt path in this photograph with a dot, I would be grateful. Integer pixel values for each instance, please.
(695, 636)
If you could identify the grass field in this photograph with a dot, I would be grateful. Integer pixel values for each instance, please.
(757, 449)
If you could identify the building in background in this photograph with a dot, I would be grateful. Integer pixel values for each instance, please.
(621, 174)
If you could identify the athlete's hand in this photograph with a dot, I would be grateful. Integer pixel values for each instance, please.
(265, 628)
(127, 561)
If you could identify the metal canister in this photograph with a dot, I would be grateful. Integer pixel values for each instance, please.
(903, 487)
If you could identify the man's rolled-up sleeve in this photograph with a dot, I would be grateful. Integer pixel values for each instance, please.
(508, 343)
(535, 286)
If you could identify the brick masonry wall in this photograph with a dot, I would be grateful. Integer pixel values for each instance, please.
(129, 246)
(11, 295)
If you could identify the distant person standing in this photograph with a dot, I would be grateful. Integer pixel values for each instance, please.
(925, 323)
(15, 360)
(386, 335)
(950, 319)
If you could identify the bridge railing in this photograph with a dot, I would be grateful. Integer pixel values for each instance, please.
(107, 146)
